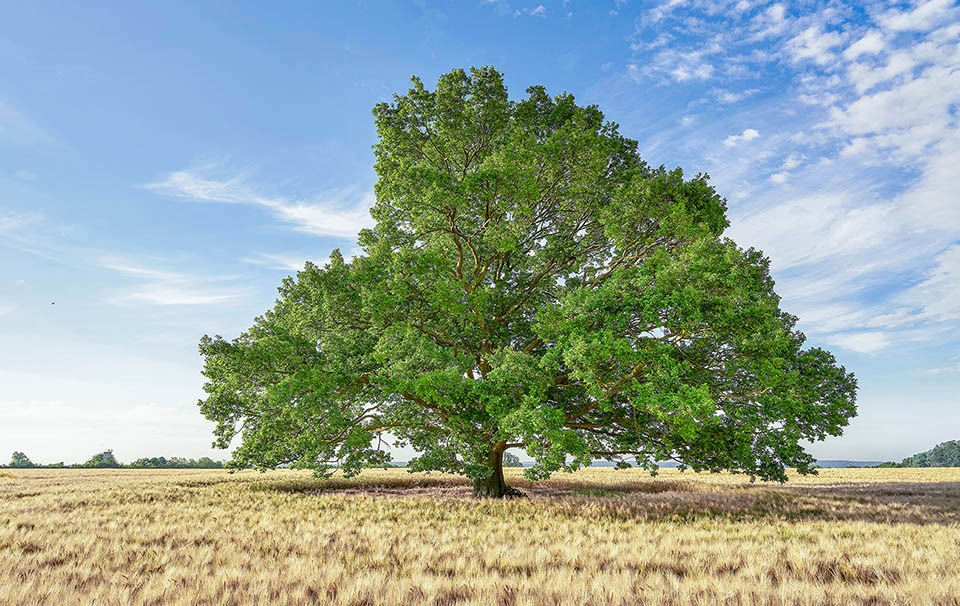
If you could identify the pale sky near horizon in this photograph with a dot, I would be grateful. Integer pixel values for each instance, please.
(164, 165)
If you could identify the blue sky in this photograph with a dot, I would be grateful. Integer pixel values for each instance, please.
(164, 165)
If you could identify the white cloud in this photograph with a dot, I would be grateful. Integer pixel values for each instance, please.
(162, 287)
(274, 261)
(932, 203)
(295, 262)
(683, 73)
(937, 298)
(677, 64)
(663, 10)
(861, 112)
(539, 11)
(949, 369)
(662, 39)
(922, 18)
(871, 44)
(908, 118)
(792, 161)
(862, 342)
(814, 44)
(770, 22)
(725, 96)
(747, 135)
(335, 216)
(788, 231)
(831, 317)
(166, 294)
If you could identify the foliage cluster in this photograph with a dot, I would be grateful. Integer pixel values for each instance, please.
(946, 454)
(103, 459)
(20, 460)
(176, 463)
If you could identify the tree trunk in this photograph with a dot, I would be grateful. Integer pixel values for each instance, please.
(493, 486)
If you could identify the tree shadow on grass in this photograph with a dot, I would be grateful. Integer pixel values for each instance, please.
(412, 485)
(921, 503)
(673, 500)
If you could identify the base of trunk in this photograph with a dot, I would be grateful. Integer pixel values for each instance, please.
(493, 486)
(489, 490)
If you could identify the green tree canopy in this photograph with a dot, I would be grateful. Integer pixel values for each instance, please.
(175, 463)
(18, 459)
(530, 282)
(103, 459)
(946, 454)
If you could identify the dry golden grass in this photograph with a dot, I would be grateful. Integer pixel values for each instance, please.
(387, 537)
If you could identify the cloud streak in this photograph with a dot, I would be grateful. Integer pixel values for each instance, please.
(162, 287)
(341, 215)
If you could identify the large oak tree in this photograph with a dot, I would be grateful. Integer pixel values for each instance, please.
(530, 282)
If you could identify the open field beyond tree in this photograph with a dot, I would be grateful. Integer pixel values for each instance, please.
(599, 536)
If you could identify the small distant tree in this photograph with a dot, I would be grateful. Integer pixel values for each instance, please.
(208, 463)
(511, 460)
(20, 460)
(149, 462)
(103, 459)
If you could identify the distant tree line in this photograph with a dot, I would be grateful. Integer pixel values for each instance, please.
(946, 454)
(107, 460)
(176, 463)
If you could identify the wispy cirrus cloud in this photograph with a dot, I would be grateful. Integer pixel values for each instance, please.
(296, 261)
(867, 342)
(153, 283)
(340, 214)
(163, 287)
(537, 11)
(948, 369)
(275, 261)
(727, 96)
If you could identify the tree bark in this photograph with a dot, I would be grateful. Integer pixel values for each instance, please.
(493, 486)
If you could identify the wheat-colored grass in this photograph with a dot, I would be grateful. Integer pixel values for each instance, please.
(599, 536)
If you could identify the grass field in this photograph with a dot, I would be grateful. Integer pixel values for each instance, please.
(125, 537)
